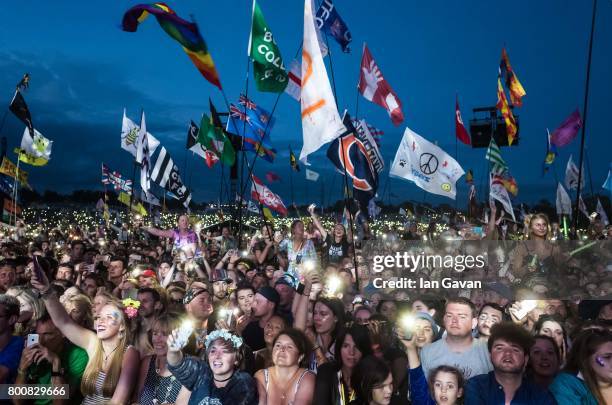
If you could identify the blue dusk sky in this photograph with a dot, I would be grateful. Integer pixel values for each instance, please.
(85, 70)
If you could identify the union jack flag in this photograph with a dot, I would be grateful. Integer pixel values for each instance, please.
(245, 101)
(116, 179)
(241, 115)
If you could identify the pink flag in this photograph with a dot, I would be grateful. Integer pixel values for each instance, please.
(261, 193)
(374, 87)
(272, 177)
(567, 130)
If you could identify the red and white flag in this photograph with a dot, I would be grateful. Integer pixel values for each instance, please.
(373, 87)
(460, 130)
(294, 86)
(210, 158)
(261, 193)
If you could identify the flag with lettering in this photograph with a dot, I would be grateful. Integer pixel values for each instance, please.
(373, 87)
(270, 74)
(329, 21)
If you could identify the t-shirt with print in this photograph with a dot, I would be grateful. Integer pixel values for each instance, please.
(335, 252)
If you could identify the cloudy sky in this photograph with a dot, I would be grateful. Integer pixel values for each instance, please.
(85, 70)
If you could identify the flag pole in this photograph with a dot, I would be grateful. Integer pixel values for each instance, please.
(291, 179)
(15, 191)
(588, 163)
(584, 114)
(331, 68)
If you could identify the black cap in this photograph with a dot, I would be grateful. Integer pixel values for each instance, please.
(270, 294)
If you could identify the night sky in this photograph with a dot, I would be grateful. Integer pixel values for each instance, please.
(85, 70)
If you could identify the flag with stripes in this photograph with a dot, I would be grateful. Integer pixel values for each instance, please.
(165, 174)
(494, 156)
(375, 132)
(143, 155)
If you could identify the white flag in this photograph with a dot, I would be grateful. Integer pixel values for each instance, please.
(498, 192)
(428, 166)
(583, 208)
(129, 136)
(571, 175)
(602, 213)
(36, 146)
(564, 203)
(312, 175)
(321, 122)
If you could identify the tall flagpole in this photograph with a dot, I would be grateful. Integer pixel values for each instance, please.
(584, 115)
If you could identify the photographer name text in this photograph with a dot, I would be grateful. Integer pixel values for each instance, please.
(422, 283)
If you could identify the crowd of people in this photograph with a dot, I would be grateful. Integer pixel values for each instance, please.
(290, 315)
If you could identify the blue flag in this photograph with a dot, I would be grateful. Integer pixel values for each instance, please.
(359, 167)
(254, 126)
(328, 20)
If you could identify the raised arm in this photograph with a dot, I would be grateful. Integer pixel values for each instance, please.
(162, 233)
(78, 335)
(316, 222)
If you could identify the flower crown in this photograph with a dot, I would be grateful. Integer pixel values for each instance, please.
(223, 334)
(130, 307)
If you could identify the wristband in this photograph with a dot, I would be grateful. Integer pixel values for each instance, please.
(300, 288)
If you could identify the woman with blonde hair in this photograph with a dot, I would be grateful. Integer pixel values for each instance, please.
(79, 307)
(156, 384)
(31, 309)
(112, 367)
(537, 253)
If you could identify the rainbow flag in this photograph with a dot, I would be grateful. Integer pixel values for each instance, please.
(184, 32)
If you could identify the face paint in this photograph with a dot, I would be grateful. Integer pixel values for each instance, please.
(600, 361)
(115, 316)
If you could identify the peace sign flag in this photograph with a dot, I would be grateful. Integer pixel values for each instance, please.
(425, 164)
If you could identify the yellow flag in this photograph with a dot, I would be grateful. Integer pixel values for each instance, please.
(268, 214)
(10, 169)
(136, 205)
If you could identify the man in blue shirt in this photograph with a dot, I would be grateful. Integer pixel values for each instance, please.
(10, 346)
(509, 349)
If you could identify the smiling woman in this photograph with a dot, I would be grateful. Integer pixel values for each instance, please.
(218, 379)
(112, 366)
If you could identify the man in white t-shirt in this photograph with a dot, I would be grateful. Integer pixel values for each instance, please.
(458, 348)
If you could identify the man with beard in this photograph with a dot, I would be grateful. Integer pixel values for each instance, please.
(150, 306)
(509, 349)
(220, 282)
(263, 308)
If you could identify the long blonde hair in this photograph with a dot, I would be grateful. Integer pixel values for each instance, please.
(543, 217)
(95, 364)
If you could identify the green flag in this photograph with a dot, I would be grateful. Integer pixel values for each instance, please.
(215, 140)
(270, 74)
(494, 156)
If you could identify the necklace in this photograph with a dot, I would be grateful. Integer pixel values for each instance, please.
(228, 378)
(106, 356)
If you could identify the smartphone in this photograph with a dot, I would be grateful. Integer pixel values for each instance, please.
(38, 271)
(526, 307)
(32, 339)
